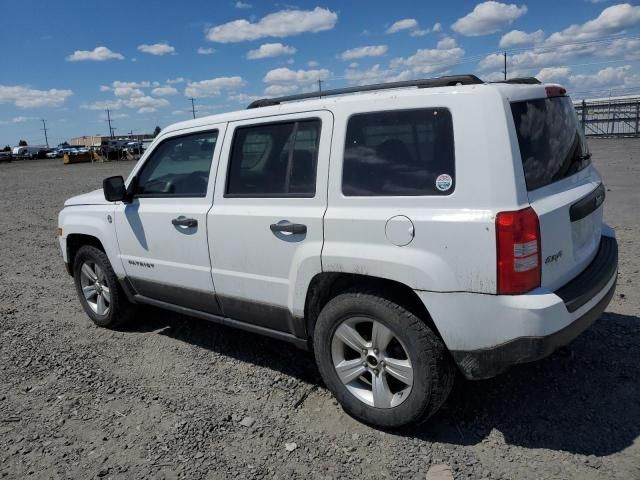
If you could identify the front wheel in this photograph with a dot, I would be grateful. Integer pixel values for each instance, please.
(98, 289)
(385, 366)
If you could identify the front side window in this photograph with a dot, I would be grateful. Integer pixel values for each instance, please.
(274, 160)
(405, 152)
(179, 166)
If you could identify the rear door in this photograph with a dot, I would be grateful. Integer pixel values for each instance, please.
(563, 187)
(265, 226)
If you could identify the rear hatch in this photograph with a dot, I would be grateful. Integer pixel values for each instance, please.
(563, 187)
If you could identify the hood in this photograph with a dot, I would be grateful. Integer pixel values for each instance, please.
(92, 198)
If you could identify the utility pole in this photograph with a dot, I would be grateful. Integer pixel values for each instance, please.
(320, 87)
(109, 122)
(505, 65)
(193, 107)
(44, 128)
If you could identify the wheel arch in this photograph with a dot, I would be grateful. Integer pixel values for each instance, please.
(77, 240)
(327, 285)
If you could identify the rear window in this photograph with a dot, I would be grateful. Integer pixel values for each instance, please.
(406, 152)
(552, 143)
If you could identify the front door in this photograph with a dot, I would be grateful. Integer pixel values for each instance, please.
(265, 226)
(162, 233)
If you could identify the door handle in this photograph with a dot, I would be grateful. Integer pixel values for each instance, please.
(183, 221)
(288, 227)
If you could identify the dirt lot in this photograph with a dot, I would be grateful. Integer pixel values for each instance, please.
(171, 397)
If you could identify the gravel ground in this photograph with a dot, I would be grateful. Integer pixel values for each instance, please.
(173, 397)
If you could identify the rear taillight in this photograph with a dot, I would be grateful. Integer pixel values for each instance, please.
(555, 91)
(518, 251)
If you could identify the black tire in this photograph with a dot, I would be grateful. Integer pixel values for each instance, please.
(120, 309)
(433, 369)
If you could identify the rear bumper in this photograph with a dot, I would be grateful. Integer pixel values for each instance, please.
(486, 334)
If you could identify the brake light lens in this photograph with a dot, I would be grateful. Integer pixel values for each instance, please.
(518, 251)
(555, 91)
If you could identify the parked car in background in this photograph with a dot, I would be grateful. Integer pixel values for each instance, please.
(6, 157)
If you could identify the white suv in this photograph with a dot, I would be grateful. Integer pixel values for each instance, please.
(402, 233)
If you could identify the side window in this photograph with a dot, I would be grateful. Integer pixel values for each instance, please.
(276, 160)
(406, 152)
(179, 167)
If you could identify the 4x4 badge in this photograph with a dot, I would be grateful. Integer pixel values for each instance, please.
(553, 258)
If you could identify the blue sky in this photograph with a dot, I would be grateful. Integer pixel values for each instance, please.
(68, 61)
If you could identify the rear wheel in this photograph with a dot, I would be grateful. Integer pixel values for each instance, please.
(385, 366)
(98, 290)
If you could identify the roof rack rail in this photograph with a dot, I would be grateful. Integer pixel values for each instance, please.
(447, 81)
(521, 80)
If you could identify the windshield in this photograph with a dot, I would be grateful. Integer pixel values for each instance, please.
(552, 143)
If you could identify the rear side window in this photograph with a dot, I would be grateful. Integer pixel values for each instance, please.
(552, 143)
(407, 152)
(274, 160)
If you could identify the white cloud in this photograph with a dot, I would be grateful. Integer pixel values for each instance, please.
(427, 61)
(147, 110)
(205, 51)
(361, 52)
(243, 5)
(553, 74)
(611, 20)
(25, 97)
(375, 74)
(404, 24)
(98, 54)
(164, 91)
(447, 43)
(549, 55)
(488, 17)
(606, 78)
(173, 81)
(268, 50)
(279, 24)
(103, 105)
(286, 75)
(127, 92)
(412, 25)
(213, 86)
(280, 90)
(156, 48)
(313, 64)
(136, 102)
(119, 84)
(105, 88)
(243, 98)
(517, 38)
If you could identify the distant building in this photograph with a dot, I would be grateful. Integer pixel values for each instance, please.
(98, 140)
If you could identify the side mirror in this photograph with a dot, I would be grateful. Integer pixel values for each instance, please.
(114, 189)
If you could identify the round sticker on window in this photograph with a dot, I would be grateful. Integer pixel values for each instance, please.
(444, 182)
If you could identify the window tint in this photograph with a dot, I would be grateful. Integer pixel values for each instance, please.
(274, 160)
(179, 166)
(406, 152)
(552, 144)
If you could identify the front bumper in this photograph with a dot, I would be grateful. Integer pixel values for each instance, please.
(500, 331)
